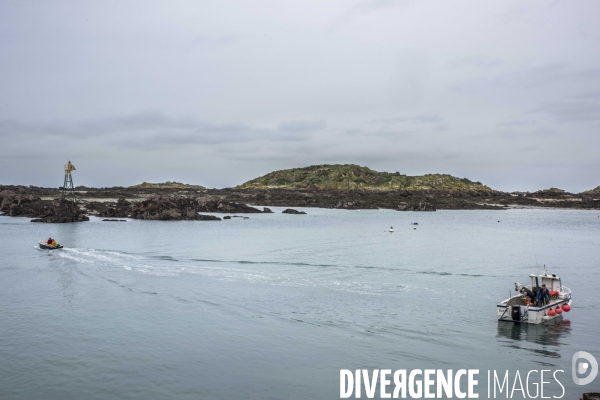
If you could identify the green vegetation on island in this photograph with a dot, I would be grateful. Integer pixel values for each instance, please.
(166, 185)
(593, 192)
(353, 177)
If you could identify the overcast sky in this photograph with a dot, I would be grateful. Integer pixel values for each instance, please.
(217, 93)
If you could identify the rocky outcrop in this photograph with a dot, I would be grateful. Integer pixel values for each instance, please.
(15, 204)
(292, 211)
(222, 206)
(29, 199)
(591, 396)
(61, 211)
(420, 206)
(267, 210)
(165, 208)
(21, 205)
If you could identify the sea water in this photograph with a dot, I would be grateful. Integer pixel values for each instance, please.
(274, 306)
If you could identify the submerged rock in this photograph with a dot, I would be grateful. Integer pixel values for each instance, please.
(292, 211)
(226, 207)
(203, 217)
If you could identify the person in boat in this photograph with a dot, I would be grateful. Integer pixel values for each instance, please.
(543, 296)
(49, 242)
(528, 293)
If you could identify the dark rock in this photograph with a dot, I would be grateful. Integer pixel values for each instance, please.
(164, 208)
(226, 207)
(292, 211)
(420, 206)
(267, 210)
(591, 396)
(203, 217)
(61, 211)
(227, 217)
(114, 220)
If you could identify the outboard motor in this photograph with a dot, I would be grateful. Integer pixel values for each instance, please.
(516, 313)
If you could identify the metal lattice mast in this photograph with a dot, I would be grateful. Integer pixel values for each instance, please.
(68, 191)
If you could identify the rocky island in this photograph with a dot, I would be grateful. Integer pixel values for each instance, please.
(348, 187)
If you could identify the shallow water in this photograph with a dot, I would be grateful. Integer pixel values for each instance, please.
(275, 305)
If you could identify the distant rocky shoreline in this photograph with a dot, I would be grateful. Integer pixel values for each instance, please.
(187, 203)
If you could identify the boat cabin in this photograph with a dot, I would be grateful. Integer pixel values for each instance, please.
(551, 281)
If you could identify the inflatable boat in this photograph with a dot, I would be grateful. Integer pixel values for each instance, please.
(44, 245)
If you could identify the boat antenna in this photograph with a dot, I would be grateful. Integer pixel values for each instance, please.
(545, 274)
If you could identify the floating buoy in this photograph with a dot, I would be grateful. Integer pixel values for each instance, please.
(558, 310)
(551, 313)
(566, 308)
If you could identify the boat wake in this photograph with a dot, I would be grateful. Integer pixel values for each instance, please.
(293, 274)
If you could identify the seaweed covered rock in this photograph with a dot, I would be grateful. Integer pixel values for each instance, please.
(166, 208)
(591, 396)
(420, 206)
(15, 204)
(61, 211)
(21, 205)
(227, 207)
(292, 211)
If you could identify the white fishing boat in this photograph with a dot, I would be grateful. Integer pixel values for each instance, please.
(391, 229)
(527, 309)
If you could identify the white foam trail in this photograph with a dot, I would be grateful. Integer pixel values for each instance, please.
(109, 259)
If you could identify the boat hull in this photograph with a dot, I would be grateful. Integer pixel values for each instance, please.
(46, 247)
(530, 314)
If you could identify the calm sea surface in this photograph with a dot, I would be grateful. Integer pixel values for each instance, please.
(272, 307)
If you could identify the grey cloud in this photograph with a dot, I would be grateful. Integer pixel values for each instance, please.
(419, 119)
(476, 61)
(301, 126)
(515, 123)
(375, 5)
(571, 111)
(549, 74)
(500, 92)
(152, 129)
(210, 42)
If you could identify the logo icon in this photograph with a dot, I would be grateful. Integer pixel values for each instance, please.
(580, 367)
